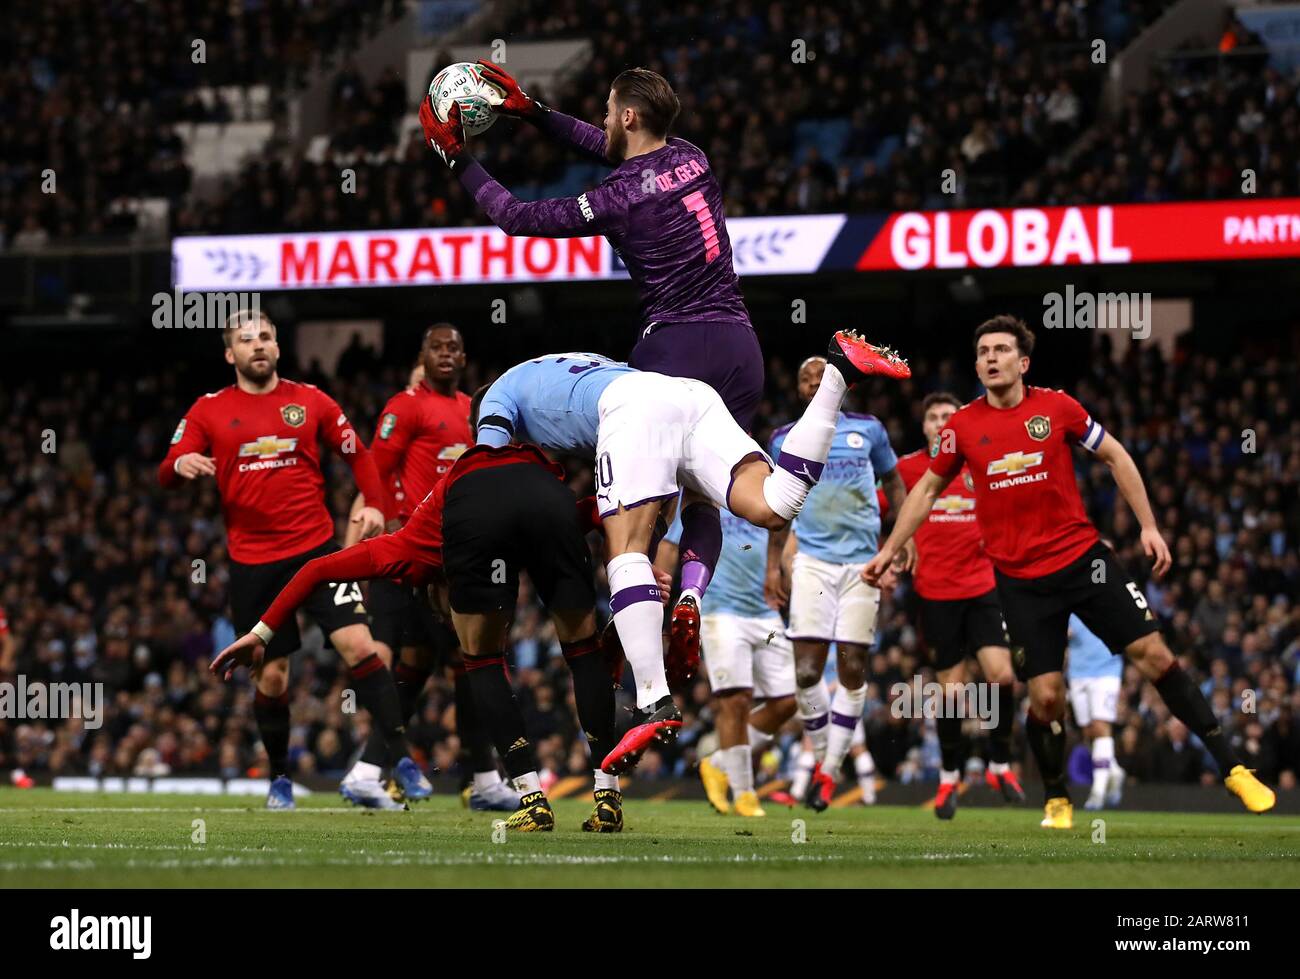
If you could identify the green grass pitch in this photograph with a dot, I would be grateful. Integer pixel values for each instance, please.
(50, 839)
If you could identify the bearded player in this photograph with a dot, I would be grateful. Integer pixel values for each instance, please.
(421, 432)
(661, 209)
(1048, 558)
(263, 433)
(836, 533)
(960, 615)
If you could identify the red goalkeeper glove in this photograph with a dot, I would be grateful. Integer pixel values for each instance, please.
(515, 101)
(446, 138)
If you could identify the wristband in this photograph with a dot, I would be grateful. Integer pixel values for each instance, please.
(263, 632)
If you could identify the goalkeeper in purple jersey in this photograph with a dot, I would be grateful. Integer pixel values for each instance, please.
(661, 210)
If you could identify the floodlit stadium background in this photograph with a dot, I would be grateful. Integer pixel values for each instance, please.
(925, 165)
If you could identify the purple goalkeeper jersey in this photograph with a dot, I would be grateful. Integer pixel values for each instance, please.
(661, 211)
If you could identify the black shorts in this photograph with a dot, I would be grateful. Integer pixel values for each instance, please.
(502, 520)
(957, 628)
(1095, 587)
(331, 605)
(400, 616)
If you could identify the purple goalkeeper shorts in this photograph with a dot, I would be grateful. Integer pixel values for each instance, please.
(725, 356)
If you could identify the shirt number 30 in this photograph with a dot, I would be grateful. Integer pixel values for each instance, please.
(695, 202)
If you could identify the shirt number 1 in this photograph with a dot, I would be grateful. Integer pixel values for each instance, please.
(695, 202)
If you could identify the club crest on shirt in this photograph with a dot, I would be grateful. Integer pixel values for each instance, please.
(1039, 427)
(387, 425)
(855, 440)
(293, 415)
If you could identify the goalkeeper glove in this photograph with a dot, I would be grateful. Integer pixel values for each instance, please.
(446, 138)
(515, 101)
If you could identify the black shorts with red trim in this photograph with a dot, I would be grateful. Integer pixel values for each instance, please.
(1095, 587)
(955, 629)
(331, 605)
(500, 521)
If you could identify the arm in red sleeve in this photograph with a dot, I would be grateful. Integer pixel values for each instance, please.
(392, 437)
(191, 436)
(343, 439)
(355, 563)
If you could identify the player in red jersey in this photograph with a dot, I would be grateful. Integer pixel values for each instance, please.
(263, 433)
(421, 432)
(498, 511)
(960, 615)
(1048, 558)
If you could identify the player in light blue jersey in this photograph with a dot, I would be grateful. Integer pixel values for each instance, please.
(747, 658)
(654, 436)
(836, 532)
(1094, 674)
(552, 401)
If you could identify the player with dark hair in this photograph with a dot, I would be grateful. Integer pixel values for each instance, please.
(960, 615)
(651, 436)
(264, 432)
(497, 512)
(662, 211)
(1048, 558)
(421, 432)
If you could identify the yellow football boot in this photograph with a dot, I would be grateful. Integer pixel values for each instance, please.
(1254, 794)
(534, 815)
(715, 786)
(1058, 814)
(747, 805)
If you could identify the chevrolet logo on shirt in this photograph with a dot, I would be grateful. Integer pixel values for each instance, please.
(953, 504)
(1015, 462)
(267, 447)
(453, 451)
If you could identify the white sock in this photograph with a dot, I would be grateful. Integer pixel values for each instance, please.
(528, 782)
(1103, 754)
(865, 767)
(805, 448)
(485, 780)
(639, 619)
(846, 712)
(999, 767)
(947, 777)
(693, 592)
(803, 768)
(363, 771)
(814, 711)
(605, 781)
(758, 742)
(739, 772)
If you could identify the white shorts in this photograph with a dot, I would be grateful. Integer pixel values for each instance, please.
(658, 434)
(1094, 698)
(829, 602)
(740, 652)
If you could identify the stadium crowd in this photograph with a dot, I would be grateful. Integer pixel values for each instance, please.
(879, 100)
(106, 578)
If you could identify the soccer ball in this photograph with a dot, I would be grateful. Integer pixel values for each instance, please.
(464, 83)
